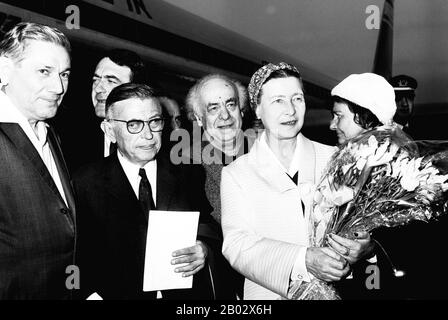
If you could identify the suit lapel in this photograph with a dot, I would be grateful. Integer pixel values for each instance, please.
(118, 185)
(124, 217)
(268, 168)
(307, 160)
(166, 183)
(272, 172)
(26, 148)
(62, 169)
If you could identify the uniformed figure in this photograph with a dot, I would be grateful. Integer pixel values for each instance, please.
(404, 87)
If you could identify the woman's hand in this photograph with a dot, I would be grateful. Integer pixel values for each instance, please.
(325, 264)
(352, 250)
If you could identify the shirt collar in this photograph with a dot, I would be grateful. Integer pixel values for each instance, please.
(295, 163)
(11, 114)
(131, 169)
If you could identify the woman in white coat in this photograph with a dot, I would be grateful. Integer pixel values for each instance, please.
(266, 194)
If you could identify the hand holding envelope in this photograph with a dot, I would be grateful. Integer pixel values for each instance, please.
(172, 234)
(193, 256)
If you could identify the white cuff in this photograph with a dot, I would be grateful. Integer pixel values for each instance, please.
(299, 271)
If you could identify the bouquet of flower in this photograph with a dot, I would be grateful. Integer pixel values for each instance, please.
(380, 178)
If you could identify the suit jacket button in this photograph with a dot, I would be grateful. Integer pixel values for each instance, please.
(64, 211)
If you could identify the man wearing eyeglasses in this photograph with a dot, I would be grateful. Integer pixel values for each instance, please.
(116, 193)
(116, 67)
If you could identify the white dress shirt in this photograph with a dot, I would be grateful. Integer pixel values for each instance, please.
(10, 113)
(131, 170)
(107, 144)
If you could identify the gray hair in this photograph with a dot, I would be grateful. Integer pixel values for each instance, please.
(15, 40)
(193, 101)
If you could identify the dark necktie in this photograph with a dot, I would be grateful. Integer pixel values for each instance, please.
(112, 148)
(145, 192)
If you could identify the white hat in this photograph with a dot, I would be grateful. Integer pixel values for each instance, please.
(370, 91)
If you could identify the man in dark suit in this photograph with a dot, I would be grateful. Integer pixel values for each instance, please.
(116, 67)
(37, 212)
(114, 203)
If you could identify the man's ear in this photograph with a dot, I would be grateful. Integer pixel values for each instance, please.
(356, 118)
(6, 66)
(106, 126)
(198, 119)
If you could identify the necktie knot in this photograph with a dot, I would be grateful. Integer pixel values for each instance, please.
(142, 174)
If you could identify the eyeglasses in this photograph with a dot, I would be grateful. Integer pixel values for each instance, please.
(136, 126)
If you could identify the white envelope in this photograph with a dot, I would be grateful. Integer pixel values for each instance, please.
(168, 231)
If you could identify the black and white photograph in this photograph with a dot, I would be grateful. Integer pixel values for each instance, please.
(223, 157)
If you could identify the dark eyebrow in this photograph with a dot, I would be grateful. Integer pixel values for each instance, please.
(108, 77)
(231, 100)
(112, 78)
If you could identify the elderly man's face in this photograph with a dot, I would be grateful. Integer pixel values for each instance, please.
(38, 81)
(405, 106)
(221, 117)
(142, 147)
(107, 76)
(344, 123)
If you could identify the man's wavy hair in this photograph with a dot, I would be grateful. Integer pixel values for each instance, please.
(193, 104)
(130, 59)
(16, 40)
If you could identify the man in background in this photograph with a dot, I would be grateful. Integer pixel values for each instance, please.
(404, 87)
(172, 109)
(89, 144)
(217, 103)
